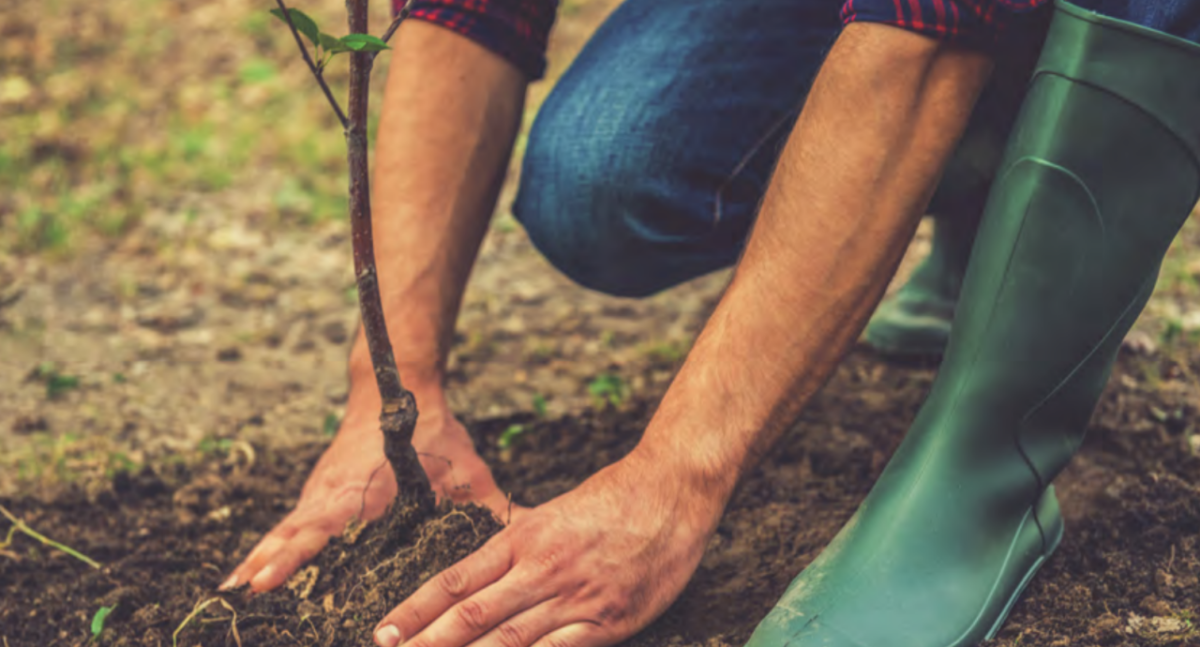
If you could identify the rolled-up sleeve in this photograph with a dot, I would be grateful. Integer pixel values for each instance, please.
(515, 29)
(973, 23)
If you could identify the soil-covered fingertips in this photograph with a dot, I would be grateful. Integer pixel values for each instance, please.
(1124, 576)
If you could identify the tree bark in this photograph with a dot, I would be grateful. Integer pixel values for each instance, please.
(398, 417)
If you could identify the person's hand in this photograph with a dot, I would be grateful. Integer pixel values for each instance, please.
(353, 480)
(589, 568)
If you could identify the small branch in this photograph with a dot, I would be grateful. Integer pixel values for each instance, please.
(21, 526)
(391, 30)
(337, 109)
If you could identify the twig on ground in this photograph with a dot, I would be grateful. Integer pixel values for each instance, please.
(24, 528)
(197, 610)
(245, 449)
(337, 109)
(316, 633)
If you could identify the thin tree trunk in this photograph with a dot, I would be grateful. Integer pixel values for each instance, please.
(398, 416)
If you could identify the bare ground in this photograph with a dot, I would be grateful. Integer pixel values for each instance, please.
(164, 386)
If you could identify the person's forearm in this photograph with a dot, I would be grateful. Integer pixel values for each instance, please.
(450, 114)
(851, 185)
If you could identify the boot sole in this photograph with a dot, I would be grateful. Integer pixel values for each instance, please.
(1056, 535)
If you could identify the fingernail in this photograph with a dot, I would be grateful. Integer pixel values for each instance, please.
(229, 584)
(262, 577)
(388, 636)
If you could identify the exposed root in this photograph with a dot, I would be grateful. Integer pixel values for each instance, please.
(197, 610)
(247, 451)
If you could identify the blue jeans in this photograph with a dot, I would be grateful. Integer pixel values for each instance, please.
(646, 165)
(1176, 17)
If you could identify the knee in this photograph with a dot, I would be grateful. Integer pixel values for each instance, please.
(596, 204)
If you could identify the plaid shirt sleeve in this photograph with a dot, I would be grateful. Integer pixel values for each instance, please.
(974, 23)
(514, 29)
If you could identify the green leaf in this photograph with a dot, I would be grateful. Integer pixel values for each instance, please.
(58, 384)
(332, 422)
(303, 23)
(332, 45)
(364, 43)
(99, 618)
(539, 405)
(510, 435)
(608, 388)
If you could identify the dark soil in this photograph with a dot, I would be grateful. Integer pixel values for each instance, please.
(1126, 575)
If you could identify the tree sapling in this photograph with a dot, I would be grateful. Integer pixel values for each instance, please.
(398, 416)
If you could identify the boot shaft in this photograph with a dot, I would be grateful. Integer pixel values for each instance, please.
(1101, 172)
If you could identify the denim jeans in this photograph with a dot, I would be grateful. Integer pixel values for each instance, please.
(1176, 17)
(646, 164)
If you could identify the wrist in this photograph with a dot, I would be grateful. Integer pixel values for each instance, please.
(423, 373)
(674, 489)
(710, 476)
(420, 377)
(705, 433)
(686, 454)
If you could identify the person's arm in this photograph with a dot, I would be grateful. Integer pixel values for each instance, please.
(851, 186)
(450, 115)
(597, 564)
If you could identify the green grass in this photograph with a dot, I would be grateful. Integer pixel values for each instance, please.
(140, 103)
(51, 458)
(668, 352)
(510, 435)
(57, 383)
(608, 389)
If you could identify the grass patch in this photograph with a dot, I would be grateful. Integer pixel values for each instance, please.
(137, 103)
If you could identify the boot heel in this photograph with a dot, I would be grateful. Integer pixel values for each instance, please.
(1052, 527)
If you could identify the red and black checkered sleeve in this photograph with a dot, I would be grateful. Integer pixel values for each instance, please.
(515, 29)
(974, 23)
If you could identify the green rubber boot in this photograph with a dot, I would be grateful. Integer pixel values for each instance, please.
(915, 321)
(1102, 170)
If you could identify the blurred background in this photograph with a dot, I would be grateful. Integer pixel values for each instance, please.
(174, 250)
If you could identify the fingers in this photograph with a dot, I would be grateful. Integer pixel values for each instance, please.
(514, 514)
(447, 589)
(480, 613)
(259, 557)
(525, 629)
(501, 505)
(580, 634)
(303, 546)
(277, 556)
